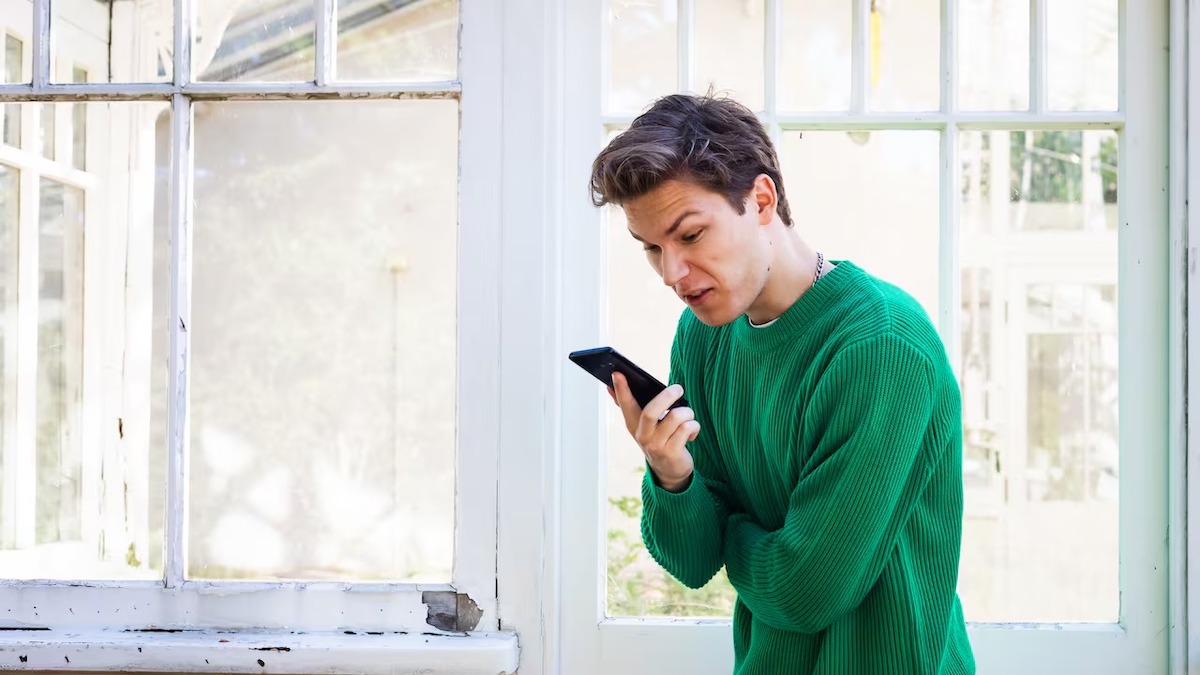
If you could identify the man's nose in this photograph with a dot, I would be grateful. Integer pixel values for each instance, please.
(674, 269)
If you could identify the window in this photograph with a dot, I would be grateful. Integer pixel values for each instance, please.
(997, 159)
(286, 289)
(248, 355)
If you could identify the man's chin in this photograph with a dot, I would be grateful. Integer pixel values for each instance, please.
(714, 317)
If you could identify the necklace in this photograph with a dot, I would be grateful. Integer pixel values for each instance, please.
(820, 264)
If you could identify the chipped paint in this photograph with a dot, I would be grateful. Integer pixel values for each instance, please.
(451, 611)
(231, 652)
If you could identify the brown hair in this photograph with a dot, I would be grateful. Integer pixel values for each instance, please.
(716, 143)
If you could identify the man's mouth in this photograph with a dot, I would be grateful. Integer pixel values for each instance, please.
(697, 297)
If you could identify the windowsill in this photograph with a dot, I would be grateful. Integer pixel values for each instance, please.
(262, 652)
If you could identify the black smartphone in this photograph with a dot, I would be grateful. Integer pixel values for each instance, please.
(601, 362)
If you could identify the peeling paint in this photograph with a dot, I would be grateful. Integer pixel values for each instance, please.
(450, 611)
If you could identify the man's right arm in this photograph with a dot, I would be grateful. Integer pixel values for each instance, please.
(684, 531)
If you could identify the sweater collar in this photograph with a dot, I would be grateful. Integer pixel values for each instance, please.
(797, 320)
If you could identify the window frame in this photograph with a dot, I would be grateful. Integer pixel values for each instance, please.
(1151, 404)
(400, 615)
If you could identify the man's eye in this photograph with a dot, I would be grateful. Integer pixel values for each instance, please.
(692, 236)
(650, 249)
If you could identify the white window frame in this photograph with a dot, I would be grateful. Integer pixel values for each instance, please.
(1150, 435)
(354, 627)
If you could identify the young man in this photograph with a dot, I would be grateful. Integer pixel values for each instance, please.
(820, 460)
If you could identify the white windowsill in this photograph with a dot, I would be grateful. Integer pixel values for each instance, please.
(204, 651)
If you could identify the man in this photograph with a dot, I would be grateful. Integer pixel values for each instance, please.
(820, 460)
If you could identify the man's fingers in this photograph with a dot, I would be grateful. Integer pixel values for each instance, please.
(624, 398)
(658, 407)
(688, 431)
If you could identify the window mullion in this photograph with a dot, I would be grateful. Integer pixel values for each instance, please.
(771, 24)
(180, 338)
(326, 41)
(948, 193)
(25, 467)
(185, 18)
(1037, 56)
(686, 43)
(860, 63)
(41, 43)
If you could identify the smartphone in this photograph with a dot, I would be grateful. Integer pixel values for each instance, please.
(601, 362)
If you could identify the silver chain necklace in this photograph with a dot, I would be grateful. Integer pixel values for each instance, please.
(820, 264)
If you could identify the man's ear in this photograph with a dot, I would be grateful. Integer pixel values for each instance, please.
(764, 198)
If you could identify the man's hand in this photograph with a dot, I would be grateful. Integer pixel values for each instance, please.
(661, 435)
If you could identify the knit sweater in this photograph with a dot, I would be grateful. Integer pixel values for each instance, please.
(828, 482)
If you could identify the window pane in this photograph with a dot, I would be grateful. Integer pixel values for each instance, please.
(993, 52)
(47, 130)
(905, 55)
(78, 461)
(1082, 63)
(1039, 382)
(10, 183)
(141, 34)
(59, 360)
(266, 40)
(870, 197)
(81, 33)
(14, 69)
(330, 456)
(415, 41)
(642, 51)
(729, 48)
(814, 67)
(1057, 181)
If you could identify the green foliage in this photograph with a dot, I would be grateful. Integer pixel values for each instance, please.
(637, 586)
(1054, 162)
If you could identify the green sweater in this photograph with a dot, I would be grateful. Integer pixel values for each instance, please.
(828, 482)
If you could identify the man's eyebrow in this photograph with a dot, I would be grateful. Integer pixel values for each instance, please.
(670, 230)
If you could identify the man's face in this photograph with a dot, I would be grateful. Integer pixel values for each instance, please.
(715, 259)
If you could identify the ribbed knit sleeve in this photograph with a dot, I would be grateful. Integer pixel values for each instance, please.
(872, 407)
(684, 531)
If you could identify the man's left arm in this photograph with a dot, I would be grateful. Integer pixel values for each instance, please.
(875, 403)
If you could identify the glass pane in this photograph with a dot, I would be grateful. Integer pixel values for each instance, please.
(81, 33)
(814, 66)
(330, 456)
(266, 40)
(1039, 383)
(14, 72)
(47, 130)
(870, 197)
(642, 51)
(729, 46)
(10, 184)
(414, 41)
(905, 55)
(79, 490)
(993, 52)
(1056, 180)
(59, 362)
(79, 125)
(141, 34)
(1082, 61)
